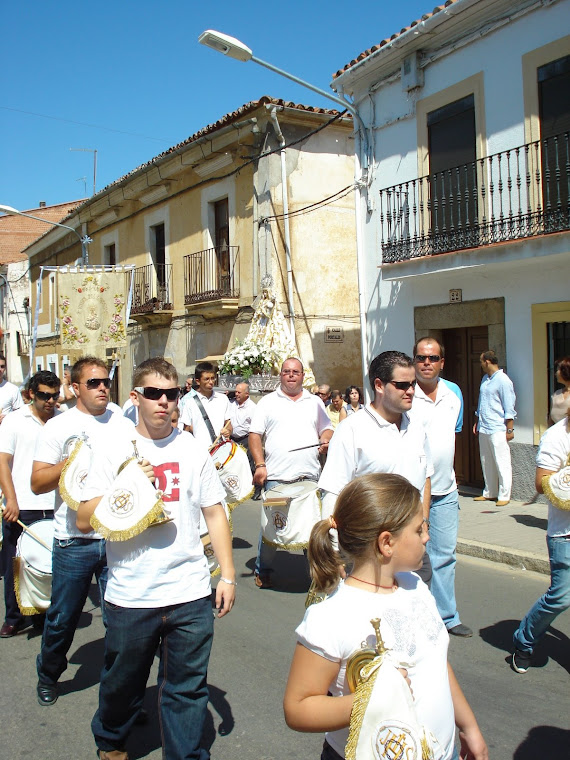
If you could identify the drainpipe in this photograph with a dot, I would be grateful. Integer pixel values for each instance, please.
(290, 302)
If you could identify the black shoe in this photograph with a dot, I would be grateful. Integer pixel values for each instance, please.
(460, 630)
(7, 631)
(520, 662)
(257, 495)
(47, 694)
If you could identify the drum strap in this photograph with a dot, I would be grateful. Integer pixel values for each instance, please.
(205, 417)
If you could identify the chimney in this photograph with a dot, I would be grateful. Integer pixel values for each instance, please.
(42, 204)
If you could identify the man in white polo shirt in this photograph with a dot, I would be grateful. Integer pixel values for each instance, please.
(76, 557)
(10, 396)
(289, 418)
(382, 437)
(206, 414)
(438, 403)
(18, 436)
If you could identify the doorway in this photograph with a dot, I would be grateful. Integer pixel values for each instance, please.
(463, 347)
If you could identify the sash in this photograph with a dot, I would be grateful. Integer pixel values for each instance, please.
(32, 588)
(205, 417)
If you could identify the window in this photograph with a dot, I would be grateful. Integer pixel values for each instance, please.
(558, 338)
(453, 172)
(110, 255)
(550, 341)
(554, 112)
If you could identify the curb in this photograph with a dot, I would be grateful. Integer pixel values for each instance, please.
(523, 560)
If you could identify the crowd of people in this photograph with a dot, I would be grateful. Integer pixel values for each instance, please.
(368, 490)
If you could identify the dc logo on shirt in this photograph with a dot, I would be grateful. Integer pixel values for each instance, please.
(167, 480)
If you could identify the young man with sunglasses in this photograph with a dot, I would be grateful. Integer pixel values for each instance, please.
(18, 436)
(438, 403)
(382, 437)
(158, 591)
(76, 557)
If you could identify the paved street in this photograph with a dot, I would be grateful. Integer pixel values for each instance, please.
(522, 717)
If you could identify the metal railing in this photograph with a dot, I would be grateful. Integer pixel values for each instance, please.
(211, 274)
(517, 193)
(152, 289)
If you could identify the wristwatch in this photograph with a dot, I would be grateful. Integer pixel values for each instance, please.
(510, 430)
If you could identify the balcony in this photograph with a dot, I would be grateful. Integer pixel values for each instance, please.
(518, 193)
(211, 281)
(152, 294)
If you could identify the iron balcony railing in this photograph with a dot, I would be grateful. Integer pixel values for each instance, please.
(152, 289)
(517, 193)
(211, 274)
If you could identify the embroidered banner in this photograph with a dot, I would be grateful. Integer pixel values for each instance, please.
(92, 310)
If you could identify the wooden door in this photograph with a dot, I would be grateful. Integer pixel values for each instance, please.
(463, 347)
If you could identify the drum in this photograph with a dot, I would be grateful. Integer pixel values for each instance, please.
(129, 506)
(213, 565)
(32, 568)
(288, 514)
(231, 462)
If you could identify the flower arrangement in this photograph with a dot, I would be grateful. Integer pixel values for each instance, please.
(246, 358)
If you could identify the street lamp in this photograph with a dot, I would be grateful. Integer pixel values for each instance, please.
(234, 48)
(85, 240)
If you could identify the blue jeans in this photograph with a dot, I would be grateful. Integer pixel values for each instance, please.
(184, 634)
(444, 522)
(74, 562)
(556, 600)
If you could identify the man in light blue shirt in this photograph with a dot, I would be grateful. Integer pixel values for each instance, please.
(495, 428)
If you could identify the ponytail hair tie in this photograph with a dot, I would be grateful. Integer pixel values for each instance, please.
(333, 533)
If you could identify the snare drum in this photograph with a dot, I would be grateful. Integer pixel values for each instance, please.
(32, 568)
(288, 514)
(213, 564)
(231, 462)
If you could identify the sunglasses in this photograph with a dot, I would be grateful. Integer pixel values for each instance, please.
(420, 358)
(154, 394)
(403, 385)
(43, 396)
(94, 382)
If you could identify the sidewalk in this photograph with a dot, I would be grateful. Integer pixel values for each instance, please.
(515, 534)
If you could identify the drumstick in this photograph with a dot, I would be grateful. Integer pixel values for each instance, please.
(31, 532)
(311, 446)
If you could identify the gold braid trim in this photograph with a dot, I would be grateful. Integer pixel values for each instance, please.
(361, 699)
(287, 547)
(65, 495)
(16, 570)
(232, 505)
(154, 514)
(555, 500)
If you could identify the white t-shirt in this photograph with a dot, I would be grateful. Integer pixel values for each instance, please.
(410, 626)
(218, 410)
(10, 397)
(163, 565)
(287, 425)
(241, 416)
(442, 419)
(552, 455)
(18, 435)
(57, 439)
(365, 442)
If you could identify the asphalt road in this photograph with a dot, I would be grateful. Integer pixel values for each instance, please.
(522, 717)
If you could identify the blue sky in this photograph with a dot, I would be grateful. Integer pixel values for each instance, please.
(136, 73)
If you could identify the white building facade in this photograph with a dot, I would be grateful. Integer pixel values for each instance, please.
(467, 213)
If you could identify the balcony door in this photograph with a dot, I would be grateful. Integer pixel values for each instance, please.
(554, 105)
(453, 174)
(222, 245)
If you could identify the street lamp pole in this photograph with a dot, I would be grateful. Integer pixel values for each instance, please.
(84, 240)
(234, 48)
